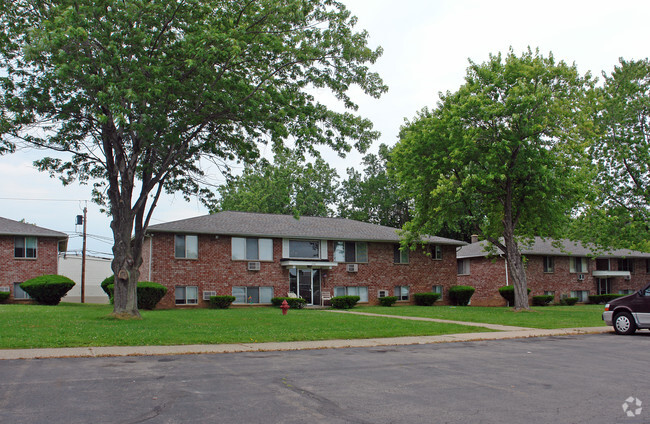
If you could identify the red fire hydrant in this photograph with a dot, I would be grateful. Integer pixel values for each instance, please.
(284, 307)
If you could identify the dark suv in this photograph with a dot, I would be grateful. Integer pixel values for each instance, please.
(629, 313)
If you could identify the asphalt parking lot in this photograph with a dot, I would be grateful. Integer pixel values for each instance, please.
(568, 379)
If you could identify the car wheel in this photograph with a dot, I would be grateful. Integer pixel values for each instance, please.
(624, 324)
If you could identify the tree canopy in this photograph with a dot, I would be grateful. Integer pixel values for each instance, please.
(499, 154)
(138, 96)
(373, 196)
(618, 211)
(289, 186)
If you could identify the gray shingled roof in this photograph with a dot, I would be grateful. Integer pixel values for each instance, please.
(547, 247)
(9, 227)
(268, 225)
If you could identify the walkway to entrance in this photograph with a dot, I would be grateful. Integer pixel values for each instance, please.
(445, 321)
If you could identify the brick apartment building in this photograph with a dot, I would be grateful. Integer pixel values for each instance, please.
(255, 257)
(27, 251)
(563, 268)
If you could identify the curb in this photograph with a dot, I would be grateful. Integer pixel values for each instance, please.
(120, 351)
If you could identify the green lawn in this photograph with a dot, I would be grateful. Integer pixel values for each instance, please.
(538, 317)
(67, 325)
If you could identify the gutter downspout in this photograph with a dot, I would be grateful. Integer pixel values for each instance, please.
(150, 255)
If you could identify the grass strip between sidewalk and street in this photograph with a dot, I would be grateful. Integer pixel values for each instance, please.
(544, 317)
(75, 325)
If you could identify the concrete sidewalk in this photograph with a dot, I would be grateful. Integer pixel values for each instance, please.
(87, 352)
(496, 327)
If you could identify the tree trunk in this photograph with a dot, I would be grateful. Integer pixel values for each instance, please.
(125, 265)
(516, 269)
(513, 255)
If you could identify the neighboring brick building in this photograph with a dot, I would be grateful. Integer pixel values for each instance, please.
(564, 269)
(27, 251)
(255, 257)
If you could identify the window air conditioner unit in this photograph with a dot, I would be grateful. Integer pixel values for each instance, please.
(253, 266)
(382, 293)
(5, 289)
(628, 277)
(208, 294)
(352, 267)
(581, 277)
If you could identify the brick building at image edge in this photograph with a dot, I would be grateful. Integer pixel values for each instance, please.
(27, 251)
(562, 268)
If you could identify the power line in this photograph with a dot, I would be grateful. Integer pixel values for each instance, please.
(43, 200)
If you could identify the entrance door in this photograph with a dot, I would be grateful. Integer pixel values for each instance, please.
(604, 286)
(306, 284)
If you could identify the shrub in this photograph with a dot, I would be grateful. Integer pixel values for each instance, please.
(602, 298)
(107, 282)
(4, 296)
(508, 293)
(460, 295)
(542, 300)
(149, 293)
(47, 289)
(426, 299)
(221, 302)
(569, 301)
(387, 301)
(294, 302)
(344, 302)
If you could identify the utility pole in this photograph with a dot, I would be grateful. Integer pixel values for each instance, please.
(83, 260)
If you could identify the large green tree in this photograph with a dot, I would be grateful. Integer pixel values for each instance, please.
(139, 95)
(619, 211)
(373, 196)
(501, 153)
(290, 185)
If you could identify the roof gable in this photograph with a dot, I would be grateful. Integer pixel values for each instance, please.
(9, 227)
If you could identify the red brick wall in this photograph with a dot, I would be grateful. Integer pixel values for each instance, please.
(16, 270)
(214, 269)
(488, 275)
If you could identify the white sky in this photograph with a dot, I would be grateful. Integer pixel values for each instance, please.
(426, 45)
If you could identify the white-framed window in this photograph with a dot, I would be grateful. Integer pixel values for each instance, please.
(578, 265)
(361, 291)
(304, 249)
(436, 252)
(582, 295)
(549, 293)
(25, 247)
(603, 264)
(626, 291)
(350, 251)
(20, 293)
(437, 289)
(626, 264)
(187, 295)
(252, 249)
(186, 246)
(401, 292)
(463, 266)
(252, 295)
(549, 264)
(400, 255)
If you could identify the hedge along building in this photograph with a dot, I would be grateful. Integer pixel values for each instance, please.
(27, 251)
(255, 257)
(562, 268)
